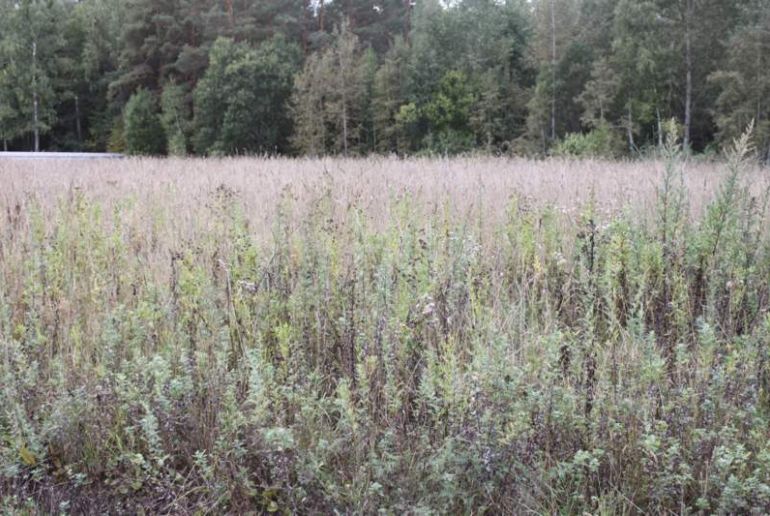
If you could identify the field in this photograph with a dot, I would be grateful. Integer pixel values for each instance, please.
(472, 335)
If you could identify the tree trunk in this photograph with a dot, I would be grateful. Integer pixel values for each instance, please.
(5, 145)
(35, 99)
(305, 12)
(344, 91)
(230, 14)
(350, 14)
(344, 125)
(407, 19)
(553, 70)
(758, 80)
(78, 126)
(630, 130)
(660, 128)
(688, 64)
(36, 128)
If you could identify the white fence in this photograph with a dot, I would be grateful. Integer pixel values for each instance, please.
(60, 155)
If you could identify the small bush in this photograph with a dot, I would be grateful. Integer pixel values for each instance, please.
(601, 142)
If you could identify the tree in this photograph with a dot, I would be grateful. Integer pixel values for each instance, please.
(646, 64)
(308, 108)
(101, 22)
(31, 42)
(744, 83)
(688, 28)
(449, 115)
(151, 42)
(175, 118)
(143, 131)
(388, 95)
(10, 112)
(556, 26)
(241, 103)
(376, 24)
(330, 98)
(599, 94)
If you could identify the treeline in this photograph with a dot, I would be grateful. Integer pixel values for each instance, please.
(221, 77)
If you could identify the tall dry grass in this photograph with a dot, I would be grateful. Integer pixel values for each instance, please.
(466, 183)
(363, 336)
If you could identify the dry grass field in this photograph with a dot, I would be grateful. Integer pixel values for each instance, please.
(466, 184)
(469, 335)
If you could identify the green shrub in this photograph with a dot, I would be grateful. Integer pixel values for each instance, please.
(601, 142)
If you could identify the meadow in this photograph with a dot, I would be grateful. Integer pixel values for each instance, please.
(457, 336)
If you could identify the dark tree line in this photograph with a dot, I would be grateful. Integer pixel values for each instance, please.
(387, 76)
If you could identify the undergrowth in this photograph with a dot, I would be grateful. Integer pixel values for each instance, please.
(594, 366)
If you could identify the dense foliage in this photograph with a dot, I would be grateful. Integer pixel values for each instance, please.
(142, 129)
(165, 361)
(385, 76)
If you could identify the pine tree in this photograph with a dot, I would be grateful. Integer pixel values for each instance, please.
(151, 42)
(377, 24)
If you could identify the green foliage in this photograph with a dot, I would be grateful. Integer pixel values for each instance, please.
(241, 101)
(331, 98)
(175, 119)
(142, 129)
(448, 115)
(331, 77)
(601, 142)
(744, 84)
(31, 47)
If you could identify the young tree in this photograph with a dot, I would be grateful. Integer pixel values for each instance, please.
(556, 26)
(10, 112)
(599, 94)
(646, 65)
(143, 131)
(449, 115)
(308, 108)
(389, 94)
(101, 22)
(330, 98)
(175, 118)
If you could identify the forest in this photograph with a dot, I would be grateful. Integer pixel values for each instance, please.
(405, 77)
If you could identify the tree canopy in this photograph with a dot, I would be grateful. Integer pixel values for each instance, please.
(388, 76)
